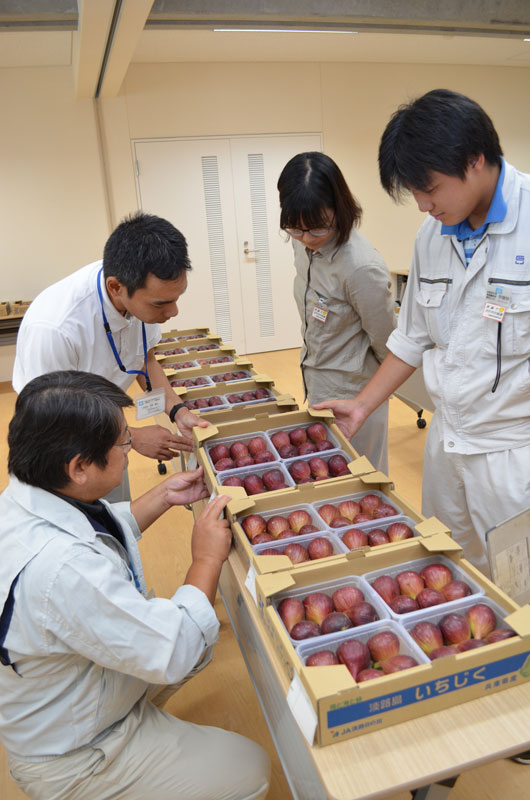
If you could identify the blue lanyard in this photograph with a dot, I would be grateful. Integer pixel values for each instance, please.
(113, 345)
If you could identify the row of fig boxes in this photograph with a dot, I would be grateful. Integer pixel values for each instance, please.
(292, 476)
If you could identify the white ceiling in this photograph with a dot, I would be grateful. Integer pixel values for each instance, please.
(54, 48)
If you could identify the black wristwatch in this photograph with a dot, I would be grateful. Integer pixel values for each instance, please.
(173, 413)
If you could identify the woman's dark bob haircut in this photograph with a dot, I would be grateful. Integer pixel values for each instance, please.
(311, 183)
(442, 131)
(61, 415)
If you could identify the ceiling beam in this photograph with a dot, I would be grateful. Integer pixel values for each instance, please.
(90, 42)
(130, 19)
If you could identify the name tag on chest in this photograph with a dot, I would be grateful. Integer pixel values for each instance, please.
(319, 313)
(495, 305)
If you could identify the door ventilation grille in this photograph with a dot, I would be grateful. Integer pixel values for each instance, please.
(261, 243)
(216, 246)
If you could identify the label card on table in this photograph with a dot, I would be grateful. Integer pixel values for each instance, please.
(302, 709)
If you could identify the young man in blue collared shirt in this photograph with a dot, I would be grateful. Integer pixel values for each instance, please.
(465, 316)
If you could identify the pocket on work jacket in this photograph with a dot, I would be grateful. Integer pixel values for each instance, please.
(435, 306)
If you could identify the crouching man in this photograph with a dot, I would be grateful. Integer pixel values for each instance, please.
(84, 653)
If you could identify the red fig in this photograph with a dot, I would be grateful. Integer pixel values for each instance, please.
(363, 614)
(219, 451)
(355, 655)
(354, 538)
(349, 509)
(261, 538)
(403, 604)
(307, 448)
(319, 548)
(291, 611)
(253, 484)
(336, 621)
(296, 553)
(427, 635)
(298, 518)
(273, 479)
(436, 576)
(317, 606)
(308, 529)
(444, 650)
(318, 467)
(276, 525)
(233, 480)
(287, 451)
(256, 445)
(481, 620)
(305, 630)
(347, 597)
(328, 512)
(338, 465)
(470, 644)
(244, 461)
(263, 457)
(369, 503)
(499, 634)
(399, 531)
(297, 436)
(429, 597)
(369, 674)
(300, 472)
(383, 645)
(376, 537)
(410, 582)
(224, 464)
(254, 524)
(339, 522)
(454, 628)
(280, 438)
(322, 658)
(324, 445)
(386, 587)
(238, 449)
(362, 517)
(397, 663)
(454, 590)
(383, 511)
(317, 432)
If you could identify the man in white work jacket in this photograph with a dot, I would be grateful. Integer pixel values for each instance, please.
(105, 318)
(465, 316)
(86, 656)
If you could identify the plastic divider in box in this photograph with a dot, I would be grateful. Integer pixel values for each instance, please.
(329, 587)
(304, 540)
(436, 613)
(172, 351)
(206, 362)
(457, 573)
(243, 472)
(219, 407)
(244, 439)
(407, 645)
(325, 455)
(378, 524)
(284, 512)
(330, 437)
(246, 376)
(335, 501)
(266, 399)
(191, 383)
(180, 365)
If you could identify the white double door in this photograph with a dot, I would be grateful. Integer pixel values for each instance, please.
(221, 193)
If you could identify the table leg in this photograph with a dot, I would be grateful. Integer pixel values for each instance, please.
(435, 791)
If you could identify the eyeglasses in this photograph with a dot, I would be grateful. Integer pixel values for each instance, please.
(127, 445)
(317, 232)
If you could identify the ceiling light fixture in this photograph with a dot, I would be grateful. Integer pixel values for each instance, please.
(275, 30)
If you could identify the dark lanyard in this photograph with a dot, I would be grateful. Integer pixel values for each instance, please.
(113, 345)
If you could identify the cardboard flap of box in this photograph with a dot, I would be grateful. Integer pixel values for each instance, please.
(361, 466)
(235, 492)
(319, 681)
(285, 399)
(182, 390)
(201, 434)
(243, 502)
(241, 361)
(520, 620)
(439, 542)
(322, 413)
(374, 476)
(432, 526)
(270, 563)
(261, 377)
(273, 582)
(226, 346)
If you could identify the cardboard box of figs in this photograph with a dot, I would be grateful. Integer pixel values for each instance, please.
(229, 365)
(170, 342)
(185, 333)
(478, 644)
(229, 405)
(253, 518)
(217, 351)
(217, 472)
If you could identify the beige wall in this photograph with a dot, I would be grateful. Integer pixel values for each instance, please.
(52, 211)
(53, 203)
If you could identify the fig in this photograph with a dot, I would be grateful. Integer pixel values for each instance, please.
(317, 606)
(291, 611)
(322, 658)
(319, 548)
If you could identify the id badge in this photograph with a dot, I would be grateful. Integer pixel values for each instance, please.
(150, 403)
(495, 305)
(320, 313)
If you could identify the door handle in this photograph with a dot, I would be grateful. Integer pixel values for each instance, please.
(247, 251)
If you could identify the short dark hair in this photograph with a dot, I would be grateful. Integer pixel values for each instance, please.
(311, 182)
(441, 132)
(58, 416)
(144, 244)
